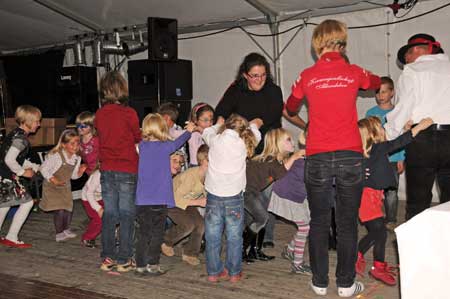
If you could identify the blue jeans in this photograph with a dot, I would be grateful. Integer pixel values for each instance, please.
(118, 194)
(223, 212)
(321, 170)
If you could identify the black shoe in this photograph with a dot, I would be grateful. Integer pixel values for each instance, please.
(258, 254)
(264, 257)
(268, 244)
(88, 243)
(246, 258)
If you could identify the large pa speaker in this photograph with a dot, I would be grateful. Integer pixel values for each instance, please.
(143, 107)
(162, 39)
(143, 79)
(165, 81)
(76, 92)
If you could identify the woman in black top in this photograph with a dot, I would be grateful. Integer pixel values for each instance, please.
(254, 95)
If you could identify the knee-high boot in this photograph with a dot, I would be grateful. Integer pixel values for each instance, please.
(249, 237)
(256, 252)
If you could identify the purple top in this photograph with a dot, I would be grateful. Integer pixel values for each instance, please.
(154, 186)
(292, 185)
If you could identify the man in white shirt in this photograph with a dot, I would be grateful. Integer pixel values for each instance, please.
(423, 90)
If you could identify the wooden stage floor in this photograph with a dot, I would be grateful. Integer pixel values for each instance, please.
(68, 270)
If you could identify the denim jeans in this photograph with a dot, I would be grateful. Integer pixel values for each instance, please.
(118, 194)
(346, 170)
(391, 198)
(150, 222)
(224, 213)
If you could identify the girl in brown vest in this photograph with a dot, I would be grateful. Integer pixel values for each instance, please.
(60, 166)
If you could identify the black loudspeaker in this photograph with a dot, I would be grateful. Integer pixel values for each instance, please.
(162, 39)
(144, 107)
(76, 92)
(152, 83)
(166, 81)
(175, 80)
(143, 79)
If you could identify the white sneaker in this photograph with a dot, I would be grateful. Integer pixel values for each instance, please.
(318, 290)
(356, 288)
(69, 233)
(61, 237)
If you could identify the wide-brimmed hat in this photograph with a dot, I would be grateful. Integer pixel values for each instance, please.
(419, 39)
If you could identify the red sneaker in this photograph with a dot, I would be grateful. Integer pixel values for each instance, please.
(381, 271)
(236, 278)
(360, 266)
(17, 244)
(221, 276)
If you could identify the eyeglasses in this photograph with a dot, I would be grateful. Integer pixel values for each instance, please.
(205, 120)
(82, 126)
(257, 76)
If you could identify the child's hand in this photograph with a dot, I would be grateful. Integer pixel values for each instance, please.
(190, 126)
(220, 121)
(56, 182)
(29, 173)
(82, 169)
(100, 212)
(257, 122)
(299, 154)
(201, 202)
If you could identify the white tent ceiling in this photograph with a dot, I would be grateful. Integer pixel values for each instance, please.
(26, 24)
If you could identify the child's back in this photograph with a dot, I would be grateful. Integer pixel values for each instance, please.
(118, 132)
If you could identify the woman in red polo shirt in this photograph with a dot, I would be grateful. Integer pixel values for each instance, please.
(334, 153)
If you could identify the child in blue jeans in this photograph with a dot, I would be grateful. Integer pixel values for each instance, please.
(230, 144)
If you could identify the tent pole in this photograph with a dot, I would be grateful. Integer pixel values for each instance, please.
(69, 14)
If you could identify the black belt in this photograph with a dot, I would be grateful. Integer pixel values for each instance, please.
(437, 127)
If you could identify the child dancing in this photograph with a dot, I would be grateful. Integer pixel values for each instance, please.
(60, 166)
(230, 144)
(376, 150)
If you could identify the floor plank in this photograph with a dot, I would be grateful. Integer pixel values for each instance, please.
(68, 270)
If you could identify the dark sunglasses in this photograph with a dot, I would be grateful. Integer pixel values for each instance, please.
(82, 126)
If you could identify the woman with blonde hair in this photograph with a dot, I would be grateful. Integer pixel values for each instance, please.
(333, 152)
(154, 194)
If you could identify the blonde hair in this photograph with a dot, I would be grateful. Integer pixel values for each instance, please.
(113, 88)
(87, 118)
(27, 114)
(329, 34)
(154, 127)
(65, 138)
(239, 124)
(371, 132)
(274, 146)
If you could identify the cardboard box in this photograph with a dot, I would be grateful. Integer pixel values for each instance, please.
(47, 134)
